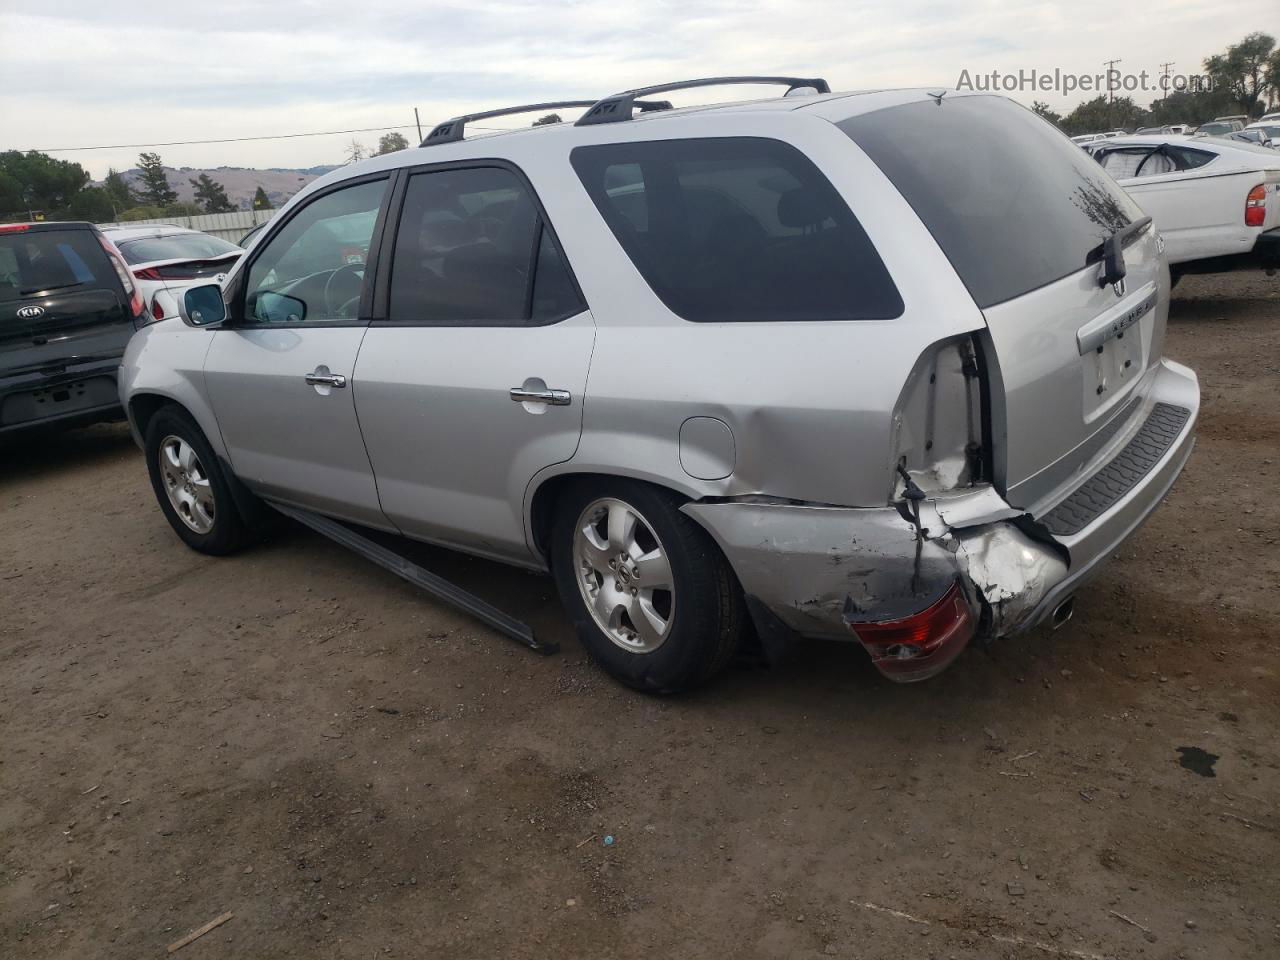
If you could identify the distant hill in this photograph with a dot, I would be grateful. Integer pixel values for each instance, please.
(241, 183)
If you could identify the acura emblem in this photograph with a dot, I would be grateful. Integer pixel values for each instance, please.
(31, 313)
(1119, 287)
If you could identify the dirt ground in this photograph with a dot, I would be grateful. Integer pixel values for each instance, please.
(355, 771)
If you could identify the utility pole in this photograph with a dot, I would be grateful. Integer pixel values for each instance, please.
(1164, 72)
(1110, 65)
(418, 122)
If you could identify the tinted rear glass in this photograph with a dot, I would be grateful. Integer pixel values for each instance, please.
(737, 229)
(1012, 202)
(34, 262)
(184, 246)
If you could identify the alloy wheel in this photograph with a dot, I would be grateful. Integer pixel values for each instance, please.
(624, 575)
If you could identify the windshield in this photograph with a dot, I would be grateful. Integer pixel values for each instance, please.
(176, 246)
(39, 261)
(1011, 202)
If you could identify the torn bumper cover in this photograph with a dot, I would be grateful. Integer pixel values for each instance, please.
(978, 567)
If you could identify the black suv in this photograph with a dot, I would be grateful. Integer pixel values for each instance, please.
(68, 306)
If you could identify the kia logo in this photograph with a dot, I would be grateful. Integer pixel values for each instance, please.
(31, 313)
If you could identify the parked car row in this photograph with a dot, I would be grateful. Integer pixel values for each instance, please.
(777, 368)
(1216, 202)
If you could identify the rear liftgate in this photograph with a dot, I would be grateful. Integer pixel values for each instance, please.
(408, 570)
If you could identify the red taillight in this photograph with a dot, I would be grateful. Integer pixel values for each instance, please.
(922, 644)
(14, 227)
(1255, 206)
(148, 273)
(136, 303)
(157, 311)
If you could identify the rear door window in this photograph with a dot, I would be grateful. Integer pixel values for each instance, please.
(737, 229)
(472, 248)
(38, 261)
(1012, 202)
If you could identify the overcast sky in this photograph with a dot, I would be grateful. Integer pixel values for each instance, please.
(76, 73)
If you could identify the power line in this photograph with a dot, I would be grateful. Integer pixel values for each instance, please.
(276, 136)
(187, 143)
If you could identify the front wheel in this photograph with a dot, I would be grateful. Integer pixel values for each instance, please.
(651, 596)
(189, 484)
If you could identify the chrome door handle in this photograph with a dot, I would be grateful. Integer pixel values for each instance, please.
(326, 379)
(557, 398)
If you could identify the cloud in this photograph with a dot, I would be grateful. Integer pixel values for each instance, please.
(158, 71)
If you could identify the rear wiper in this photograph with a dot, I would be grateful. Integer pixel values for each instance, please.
(60, 286)
(1113, 269)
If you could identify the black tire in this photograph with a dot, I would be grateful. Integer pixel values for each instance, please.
(228, 532)
(708, 615)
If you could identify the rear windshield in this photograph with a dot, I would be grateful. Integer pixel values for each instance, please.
(737, 229)
(38, 261)
(1011, 201)
(178, 246)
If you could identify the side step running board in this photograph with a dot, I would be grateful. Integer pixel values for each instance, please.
(420, 577)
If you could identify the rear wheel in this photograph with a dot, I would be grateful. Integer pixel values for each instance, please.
(189, 484)
(651, 596)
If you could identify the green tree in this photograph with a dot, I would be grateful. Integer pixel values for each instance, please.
(260, 199)
(181, 210)
(211, 195)
(390, 143)
(93, 204)
(549, 118)
(1041, 109)
(1098, 115)
(1244, 70)
(36, 181)
(118, 190)
(155, 185)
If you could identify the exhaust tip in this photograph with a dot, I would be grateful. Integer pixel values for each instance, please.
(1062, 612)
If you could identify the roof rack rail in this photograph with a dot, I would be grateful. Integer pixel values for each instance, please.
(450, 131)
(619, 107)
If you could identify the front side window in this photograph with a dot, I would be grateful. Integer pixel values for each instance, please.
(313, 270)
(737, 229)
(472, 248)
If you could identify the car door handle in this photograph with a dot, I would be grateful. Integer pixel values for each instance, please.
(319, 379)
(557, 398)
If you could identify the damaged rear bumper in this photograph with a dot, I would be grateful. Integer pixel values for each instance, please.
(821, 571)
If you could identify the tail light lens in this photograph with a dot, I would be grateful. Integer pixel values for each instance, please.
(923, 644)
(14, 228)
(157, 311)
(136, 304)
(1255, 206)
(148, 273)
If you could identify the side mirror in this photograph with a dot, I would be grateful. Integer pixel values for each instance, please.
(202, 306)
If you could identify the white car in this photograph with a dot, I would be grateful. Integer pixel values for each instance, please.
(166, 260)
(1216, 202)
(1270, 130)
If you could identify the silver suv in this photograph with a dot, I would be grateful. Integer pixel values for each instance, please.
(776, 368)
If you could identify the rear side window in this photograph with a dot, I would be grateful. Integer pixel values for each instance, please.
(40, 260)
(1012, 202)
(737, 229)
(472, 249)
(1128, 162)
